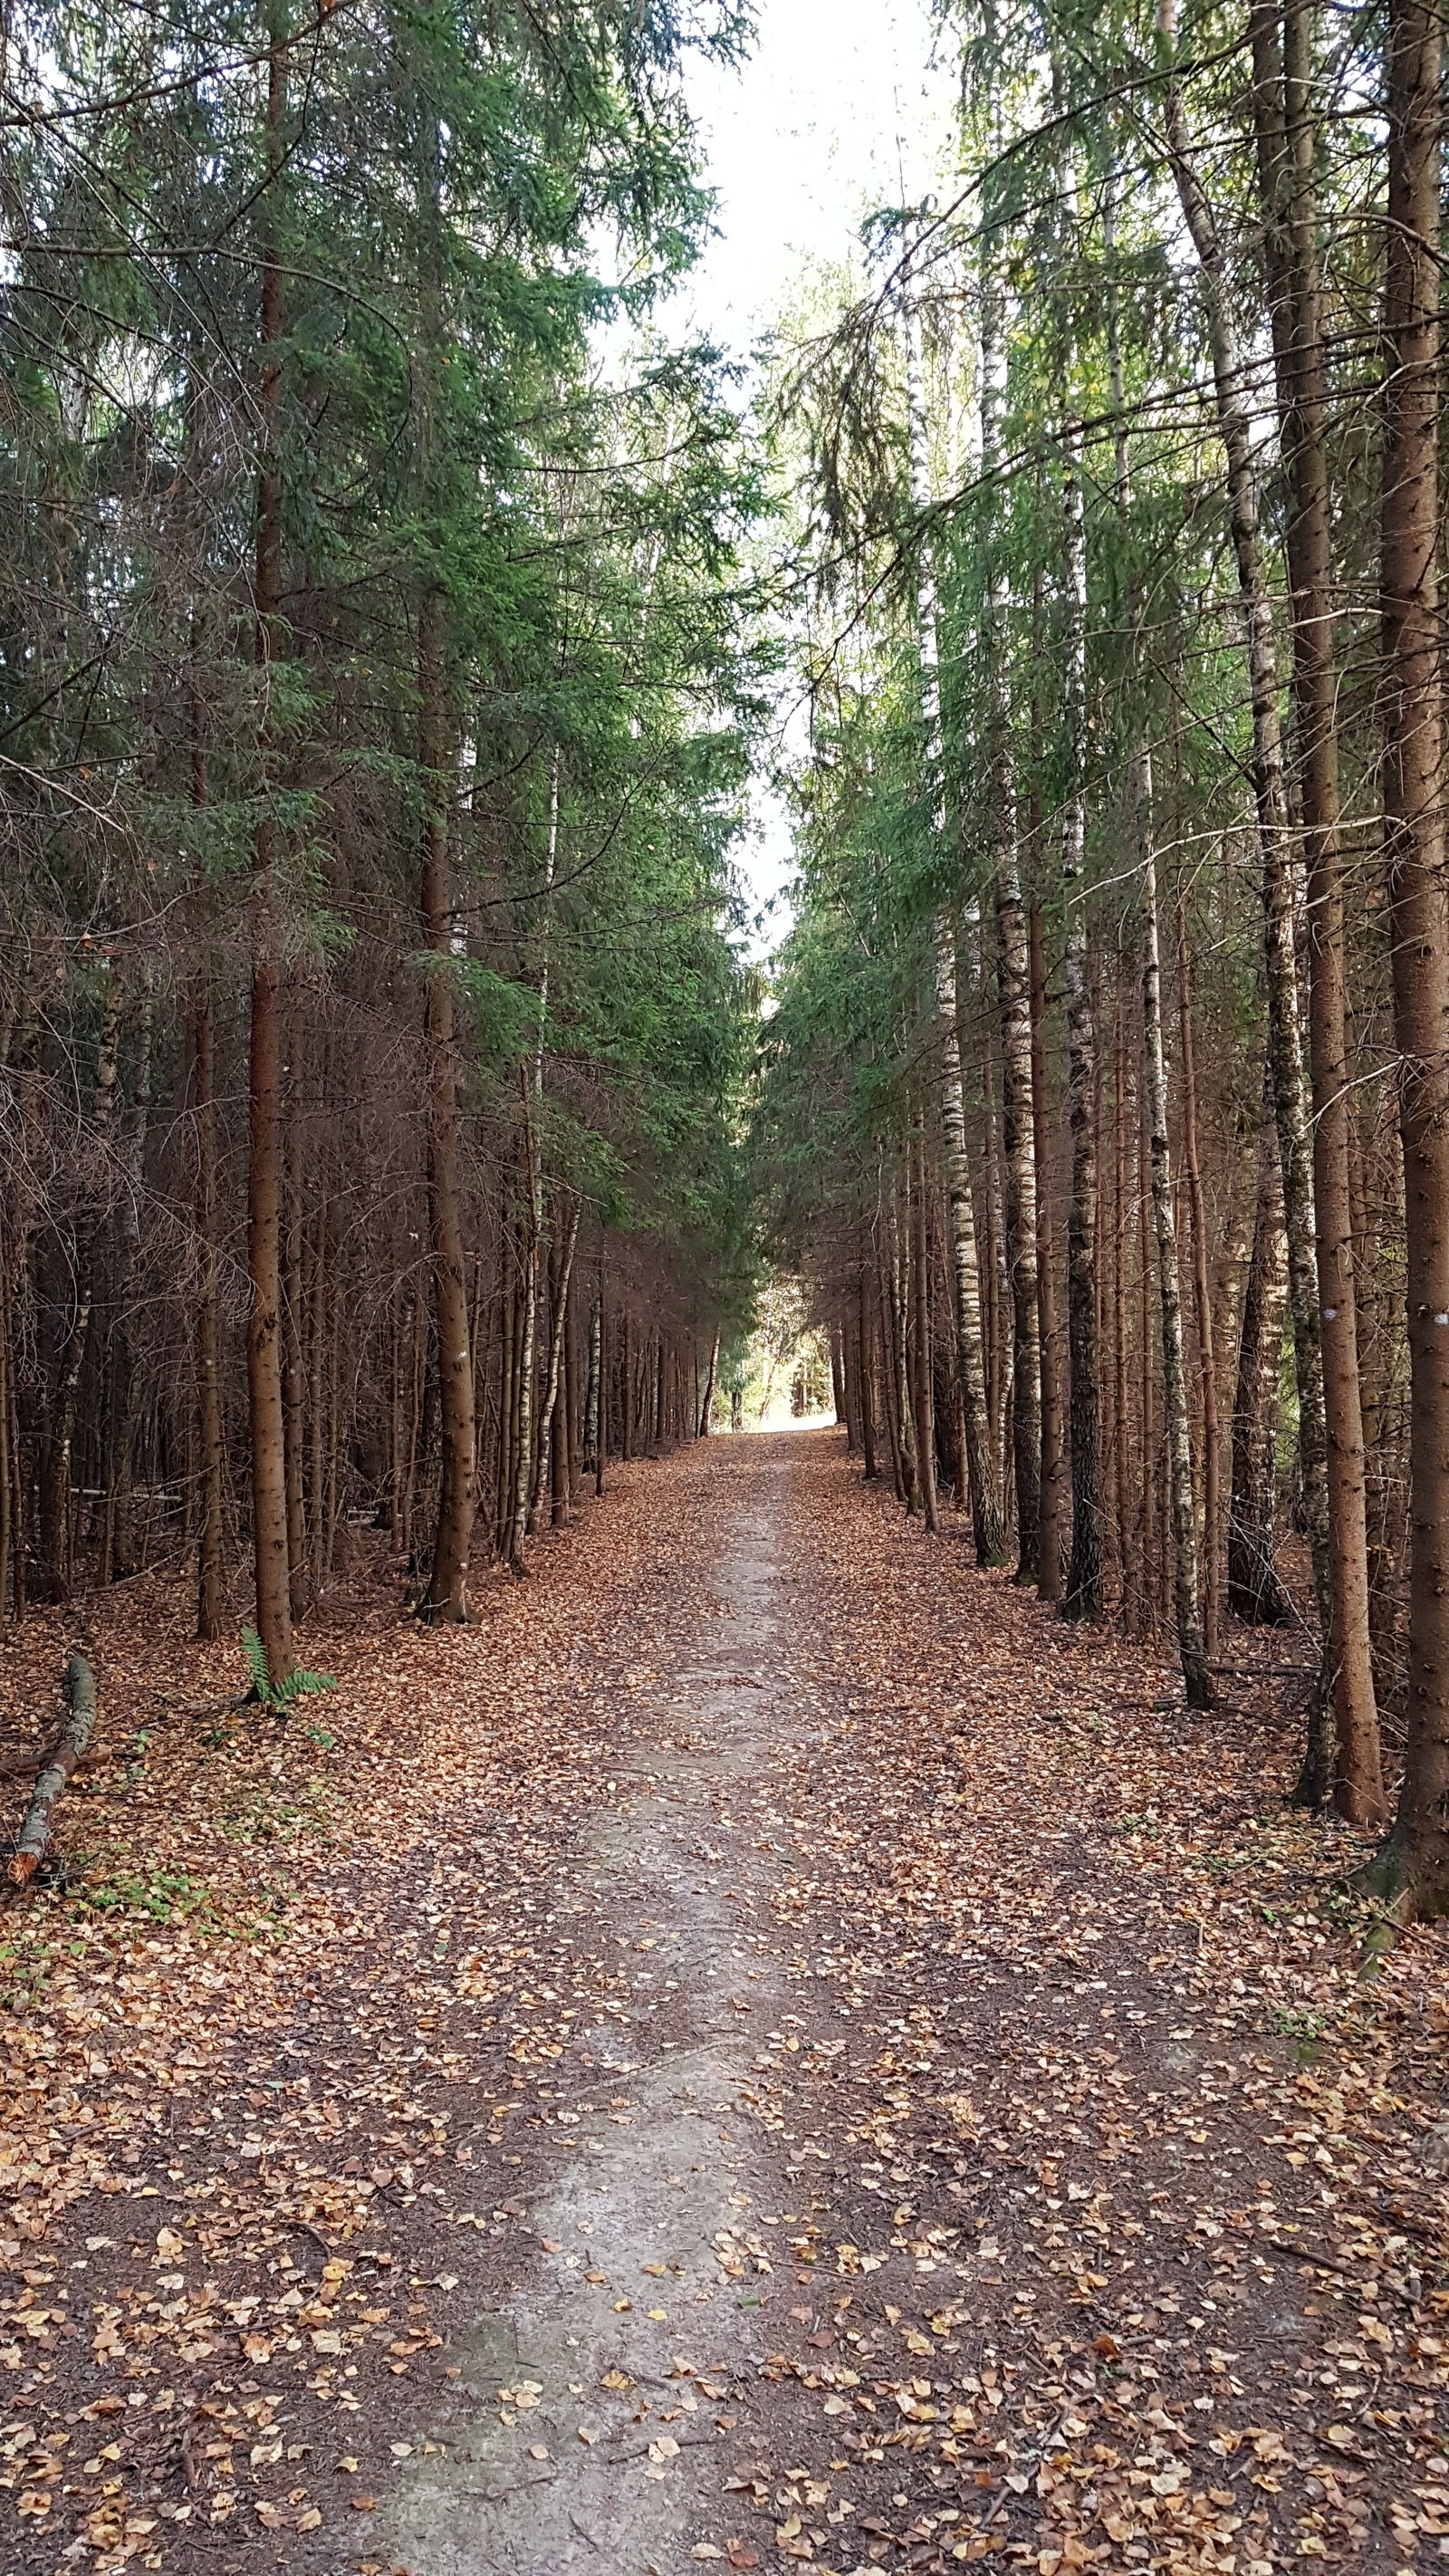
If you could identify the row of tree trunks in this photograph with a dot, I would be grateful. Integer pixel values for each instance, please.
(1164, 1531)
(1144, 1439)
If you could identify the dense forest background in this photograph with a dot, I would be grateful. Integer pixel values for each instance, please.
(1105, 1096)
(391, 612)
(376, 681)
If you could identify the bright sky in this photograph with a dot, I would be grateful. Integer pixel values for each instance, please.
(838, 109)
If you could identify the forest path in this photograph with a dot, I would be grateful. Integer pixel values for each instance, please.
(961, 2171)
(770, 2051)
(629, 2331)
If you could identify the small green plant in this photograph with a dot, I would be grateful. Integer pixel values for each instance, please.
(254, 1816)
(1300, 2023)
(165, 1895)
(282, 1696)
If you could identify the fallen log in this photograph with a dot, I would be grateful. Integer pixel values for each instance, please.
(80, 1693)
(23, 1766)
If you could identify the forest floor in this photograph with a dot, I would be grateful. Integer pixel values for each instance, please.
(769, 2051)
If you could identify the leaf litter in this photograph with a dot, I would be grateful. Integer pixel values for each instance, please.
(1094, 2205)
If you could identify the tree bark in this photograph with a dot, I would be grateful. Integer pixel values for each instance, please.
(208, 1375)
(1052, 1498)
(1022, 1258)
(1255, 1593)
(590, 1446)
(925, 1392)
(707, 1399)
(601, 1396)
(1152, 1579)
(1202, 1298)
(865, 1380)
(986, 1512)
(119, 1554)
(555, 1357)
(1413, 1864)
(294, 1322)
(446, 1597)
(560, 1470)
(1083, 1596)
(898, 1238)
(1283, 102)
(55, 1488)
(1191, 1649)
(264, 1371)
(1284, 1033)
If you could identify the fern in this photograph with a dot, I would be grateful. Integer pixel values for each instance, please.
(298, 1685)
(281, 1696)
(255, 1654)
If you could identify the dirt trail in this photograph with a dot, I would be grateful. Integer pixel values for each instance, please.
(584, 2474)
(784, 2055)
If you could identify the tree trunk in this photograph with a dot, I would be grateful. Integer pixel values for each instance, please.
(1051, 1513)
(119, 1548)
(1121, 1437)
(592, 1379)
(560, 1445)
(264, 1374)
(1284, 1034)
(1083, 1598)
(898, 1237)
(888, 1373)
(7, 1434)
(1152, 1577)
(986, 1513)
(601, 1383)
(925, 1392)
(1413, 1865)
(1022, 1259)
(208, 1376)
(555, 1357)
(294, 1319)
(264, 1371)
(989, 1252)
(627, 1390)
(507, 1405)
(55, 1486)
(446, 1596)
(1211, 1427)
(865, 1380)
(1255, 1593)
(1195, 1677)
(1289, 193)
(573, 1407)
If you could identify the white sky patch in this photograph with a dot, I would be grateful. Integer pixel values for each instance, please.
(838, 110)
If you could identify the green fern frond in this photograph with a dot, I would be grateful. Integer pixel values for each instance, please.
(256, 1660)
(279, 1696)
(299, 1684)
